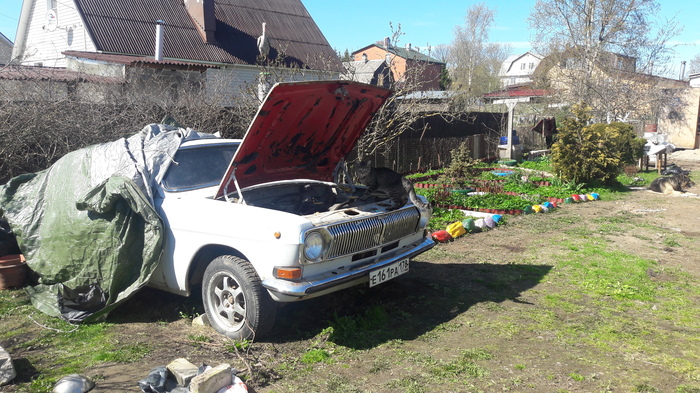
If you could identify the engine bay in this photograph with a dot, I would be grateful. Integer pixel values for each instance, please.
(304, 197)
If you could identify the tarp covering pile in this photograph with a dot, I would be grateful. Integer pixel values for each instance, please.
(87, 225)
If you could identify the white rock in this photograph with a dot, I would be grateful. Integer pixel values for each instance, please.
(7, 370)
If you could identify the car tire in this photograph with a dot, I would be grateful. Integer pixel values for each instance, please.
(235, 301)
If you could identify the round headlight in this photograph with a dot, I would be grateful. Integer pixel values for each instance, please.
(313, 246)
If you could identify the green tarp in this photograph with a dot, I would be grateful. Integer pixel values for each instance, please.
(87, 225)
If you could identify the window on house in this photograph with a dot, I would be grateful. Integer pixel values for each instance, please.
(532, 66)
(522, 66)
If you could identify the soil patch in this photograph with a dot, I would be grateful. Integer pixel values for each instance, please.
(469, 294)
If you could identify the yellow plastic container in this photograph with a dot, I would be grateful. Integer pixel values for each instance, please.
(456, 229)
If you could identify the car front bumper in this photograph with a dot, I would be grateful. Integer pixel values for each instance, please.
(287, 291)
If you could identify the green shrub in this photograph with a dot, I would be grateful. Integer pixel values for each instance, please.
(462, 164)
(598, 152)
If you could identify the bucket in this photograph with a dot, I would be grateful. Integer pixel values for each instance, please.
(504, 140)
(13, 271)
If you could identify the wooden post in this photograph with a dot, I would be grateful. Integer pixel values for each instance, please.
(661, 162)
(665, 157)
(509, 131)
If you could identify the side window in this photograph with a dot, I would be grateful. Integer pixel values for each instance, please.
(198, 167)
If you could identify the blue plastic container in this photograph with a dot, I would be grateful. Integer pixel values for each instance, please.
(504, 140)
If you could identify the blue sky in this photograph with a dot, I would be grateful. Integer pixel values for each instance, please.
(357, 23)
(366, 21)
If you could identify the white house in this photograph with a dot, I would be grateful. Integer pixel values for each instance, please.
(230, 39)
(518, 69)
(694, 80)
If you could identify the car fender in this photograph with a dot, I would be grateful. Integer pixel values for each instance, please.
(267, 238)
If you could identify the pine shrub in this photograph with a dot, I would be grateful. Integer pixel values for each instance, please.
(597, 152)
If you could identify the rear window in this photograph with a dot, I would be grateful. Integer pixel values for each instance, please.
(199, 167)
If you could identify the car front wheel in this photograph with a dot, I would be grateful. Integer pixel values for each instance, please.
(236, 303)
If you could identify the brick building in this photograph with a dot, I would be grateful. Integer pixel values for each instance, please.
(408, 65)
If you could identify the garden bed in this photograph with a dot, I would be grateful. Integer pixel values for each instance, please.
(493, 191)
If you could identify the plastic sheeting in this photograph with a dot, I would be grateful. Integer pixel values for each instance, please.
(87, 225)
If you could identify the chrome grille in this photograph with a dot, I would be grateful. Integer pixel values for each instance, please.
(360, 235)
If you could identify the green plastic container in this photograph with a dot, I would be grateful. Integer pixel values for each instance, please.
(469, 225)
(507, 162)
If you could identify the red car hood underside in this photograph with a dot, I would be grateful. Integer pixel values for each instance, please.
(302, 131)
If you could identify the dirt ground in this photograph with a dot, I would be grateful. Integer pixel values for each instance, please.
(443, 269)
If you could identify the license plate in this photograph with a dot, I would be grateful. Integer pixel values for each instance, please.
(386, 273)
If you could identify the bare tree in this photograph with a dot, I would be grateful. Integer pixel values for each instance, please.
(440, 52)
(42, 119)
(694, 65)
(405, 107)
(601, 47)
(475, 62)
(44, 115)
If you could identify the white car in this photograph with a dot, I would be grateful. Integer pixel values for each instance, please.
(265, 219)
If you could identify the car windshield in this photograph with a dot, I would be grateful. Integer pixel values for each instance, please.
(199, 167)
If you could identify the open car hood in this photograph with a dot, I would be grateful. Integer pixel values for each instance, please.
(302, 130)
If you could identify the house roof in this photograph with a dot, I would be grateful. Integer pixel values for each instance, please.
(694, 80)
(364, 66)
(513, 93)
(4, 39)
(125, 27)
(365, 71)
(430, 95)
(508, 63)
(505, 66)
(6, 47)
(145, 61)
(52, 74)
(406, 53)
(554, 60)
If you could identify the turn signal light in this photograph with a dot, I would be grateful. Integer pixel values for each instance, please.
(288, 273)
